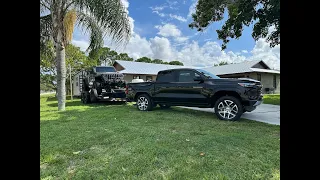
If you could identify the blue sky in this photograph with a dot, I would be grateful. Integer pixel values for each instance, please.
(160, 30)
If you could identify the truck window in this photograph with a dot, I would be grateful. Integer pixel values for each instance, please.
(187, 76)
(166, 76)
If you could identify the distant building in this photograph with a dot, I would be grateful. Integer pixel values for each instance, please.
(259, 70)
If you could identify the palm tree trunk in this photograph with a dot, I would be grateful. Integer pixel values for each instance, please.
(61, 76)
(58, 37)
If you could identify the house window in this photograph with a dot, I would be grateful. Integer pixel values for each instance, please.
(275, 81)
(77, 84)
(136, 77)
(259, 77)
(148, 78)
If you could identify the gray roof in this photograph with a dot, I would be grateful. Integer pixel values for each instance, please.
(131, 67)
(246, 66)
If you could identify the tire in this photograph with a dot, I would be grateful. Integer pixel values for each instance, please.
(164, 106)
(93, 98)
(144, 102)
(228, 108)
(85, 98)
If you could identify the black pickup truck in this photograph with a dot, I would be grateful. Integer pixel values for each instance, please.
(230, 98)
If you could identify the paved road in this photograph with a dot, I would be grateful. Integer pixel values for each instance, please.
(266, 113)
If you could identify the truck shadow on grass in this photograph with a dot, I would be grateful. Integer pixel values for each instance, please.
(79, 103)
(131, 109)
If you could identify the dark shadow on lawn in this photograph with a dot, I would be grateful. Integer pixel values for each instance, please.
(128, 108)
(79, 103)
(53, 98)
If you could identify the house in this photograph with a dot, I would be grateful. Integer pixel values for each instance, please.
(141, 70)
(259, 70)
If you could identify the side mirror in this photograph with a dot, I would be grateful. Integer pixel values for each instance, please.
(198, 79)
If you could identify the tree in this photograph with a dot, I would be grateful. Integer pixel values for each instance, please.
(157, 61)
(74, 58)
(98, 17)
(222, 63)
(103, 55)
(144, 59)
(176, 63)
(124, 57)
(266, 13)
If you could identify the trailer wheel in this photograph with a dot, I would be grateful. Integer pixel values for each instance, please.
(85, 97)
(93, 98)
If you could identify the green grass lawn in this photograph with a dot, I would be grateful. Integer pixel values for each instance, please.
(103, 141)
(271, 99)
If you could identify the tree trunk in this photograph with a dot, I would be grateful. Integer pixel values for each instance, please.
(61, 76)
(58, 37)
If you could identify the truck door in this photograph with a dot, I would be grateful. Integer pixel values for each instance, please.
(189, 91)
(164, 87)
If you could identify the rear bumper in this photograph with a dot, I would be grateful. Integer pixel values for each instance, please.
(116, 96)
(112, 99)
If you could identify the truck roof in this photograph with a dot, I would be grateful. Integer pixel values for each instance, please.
(175, 69)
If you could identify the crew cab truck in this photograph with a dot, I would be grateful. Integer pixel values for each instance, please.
(230, 98)
(103, 83)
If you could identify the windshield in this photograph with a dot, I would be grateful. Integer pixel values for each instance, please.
(208, 74)
(105, 69)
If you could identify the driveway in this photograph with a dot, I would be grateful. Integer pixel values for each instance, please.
(266, 113)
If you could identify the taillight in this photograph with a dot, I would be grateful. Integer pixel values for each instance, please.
(126, 89)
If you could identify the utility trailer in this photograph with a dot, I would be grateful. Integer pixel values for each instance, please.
(100, 83)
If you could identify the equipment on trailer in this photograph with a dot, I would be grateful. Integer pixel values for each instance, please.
(102, 83)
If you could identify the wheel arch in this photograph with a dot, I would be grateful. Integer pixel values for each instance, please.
(221, 93)
(138, 94)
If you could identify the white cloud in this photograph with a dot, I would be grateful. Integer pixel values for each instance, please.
(172, 4)
(81, 43)
(159, 13)
(244, 51)
(168, 30)
(138, 47)
(125, 3)
(262, 51)
(161, 48)
(158, 8)
(192, 8)
(181, 39)
(179, 18)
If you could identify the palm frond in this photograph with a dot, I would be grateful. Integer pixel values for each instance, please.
(45, 29)
(89, 24)
(111, 15)
(68, 23)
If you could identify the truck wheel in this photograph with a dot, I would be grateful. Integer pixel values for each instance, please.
(228, 108)
(85, 98)
(144, 102)
(164, 106)
(93, 98)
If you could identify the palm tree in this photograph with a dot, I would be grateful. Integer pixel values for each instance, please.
(98, 17)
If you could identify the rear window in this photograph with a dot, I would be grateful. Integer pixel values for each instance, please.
(105, 69)
(165, 76)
